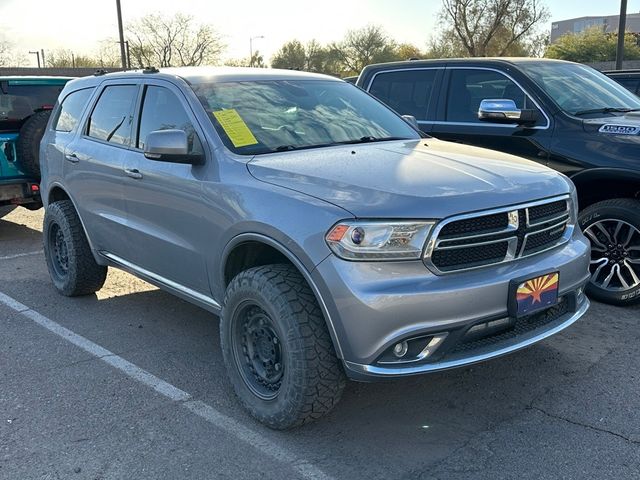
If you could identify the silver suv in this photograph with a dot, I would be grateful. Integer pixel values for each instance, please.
(330, 236)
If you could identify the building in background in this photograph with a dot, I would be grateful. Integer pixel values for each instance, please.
(609, 24)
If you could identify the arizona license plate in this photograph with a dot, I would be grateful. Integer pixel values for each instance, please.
(536, 294)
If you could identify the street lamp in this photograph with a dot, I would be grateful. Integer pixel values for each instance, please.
(37, 53)
(251, 39)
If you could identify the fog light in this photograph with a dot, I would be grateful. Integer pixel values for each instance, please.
(400, 349)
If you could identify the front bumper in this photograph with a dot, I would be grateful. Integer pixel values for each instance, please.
(373, 306)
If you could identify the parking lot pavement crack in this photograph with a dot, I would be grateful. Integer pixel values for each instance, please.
(585, 425)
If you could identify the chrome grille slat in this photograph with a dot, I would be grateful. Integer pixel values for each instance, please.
(525, 234)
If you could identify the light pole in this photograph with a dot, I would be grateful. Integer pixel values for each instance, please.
(37, 53)
(251, 39)
(123, 55)
(621, 31)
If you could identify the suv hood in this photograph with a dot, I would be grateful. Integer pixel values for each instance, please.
(425, 178)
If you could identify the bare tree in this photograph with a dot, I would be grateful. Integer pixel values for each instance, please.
(9, 56)
(164, 41)
(493, 27)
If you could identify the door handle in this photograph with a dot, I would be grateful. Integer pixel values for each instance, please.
(72, 157)
(133, 173)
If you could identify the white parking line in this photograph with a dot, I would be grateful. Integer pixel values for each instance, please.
(18, 255)
(203, 410)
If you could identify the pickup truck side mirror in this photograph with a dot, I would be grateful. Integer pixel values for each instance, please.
(170, 146)
(505, 111)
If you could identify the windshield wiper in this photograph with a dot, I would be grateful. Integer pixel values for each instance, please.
(367, 139)
(606, 110)
(370, 139)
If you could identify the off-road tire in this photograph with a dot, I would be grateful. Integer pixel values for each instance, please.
(6, 210)
(28, 143)
(64, 237)
(625, 210)
(312, 377)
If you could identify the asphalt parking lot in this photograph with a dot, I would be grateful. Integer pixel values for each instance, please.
(129, 383)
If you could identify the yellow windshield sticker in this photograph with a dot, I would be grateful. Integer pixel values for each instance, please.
(235, 128)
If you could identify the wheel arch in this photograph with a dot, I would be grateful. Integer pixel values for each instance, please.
(57, 193)
(597, 184)
(276, 251)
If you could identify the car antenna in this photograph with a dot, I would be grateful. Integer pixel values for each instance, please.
(150, 70)
(100, 71)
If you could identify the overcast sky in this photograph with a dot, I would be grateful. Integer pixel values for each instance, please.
(80, 24)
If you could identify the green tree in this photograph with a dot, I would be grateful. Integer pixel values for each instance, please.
(481, 28)
(592, 45)
(292, 55)
(362, 47)
(407, 51)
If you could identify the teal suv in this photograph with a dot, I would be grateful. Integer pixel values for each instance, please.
(25, 107)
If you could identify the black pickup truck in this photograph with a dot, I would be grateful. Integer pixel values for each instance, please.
(565, 115)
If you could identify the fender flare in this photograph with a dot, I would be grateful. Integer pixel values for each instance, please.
(258, 237)
(611, 173)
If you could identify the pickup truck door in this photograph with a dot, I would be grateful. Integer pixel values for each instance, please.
(457, 116)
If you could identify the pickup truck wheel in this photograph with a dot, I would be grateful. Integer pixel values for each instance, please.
(613, 227)
(6, 210)
(278, 352)
(71, 264)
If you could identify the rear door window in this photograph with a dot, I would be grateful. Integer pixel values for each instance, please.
(111, 118)
(71, 110)
(408, 92)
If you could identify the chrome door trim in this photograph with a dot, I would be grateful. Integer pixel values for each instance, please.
(155, 278)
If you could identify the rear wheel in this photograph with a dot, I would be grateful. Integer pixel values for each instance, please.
(71, 264)
(278, 352)
(613, 227)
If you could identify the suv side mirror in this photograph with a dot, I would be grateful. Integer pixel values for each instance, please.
(411, 120)
(170, 146)
(505, 111)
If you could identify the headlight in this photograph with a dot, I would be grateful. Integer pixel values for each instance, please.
(574, 206)
(378, 240)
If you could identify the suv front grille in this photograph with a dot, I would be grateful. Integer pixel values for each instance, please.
(487, 238)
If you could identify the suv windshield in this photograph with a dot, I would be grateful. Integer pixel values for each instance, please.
(256, 117)
(579, 90)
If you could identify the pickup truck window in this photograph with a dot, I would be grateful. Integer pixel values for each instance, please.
(468, 87)
(71, 109)
(161, 110)
(111, 118)
(578, 88)
(298, 114)
(407, 91)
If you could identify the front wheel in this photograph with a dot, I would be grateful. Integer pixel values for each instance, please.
(277, 349)
(613, 227)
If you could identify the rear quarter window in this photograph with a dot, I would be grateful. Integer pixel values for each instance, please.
(71, 110)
